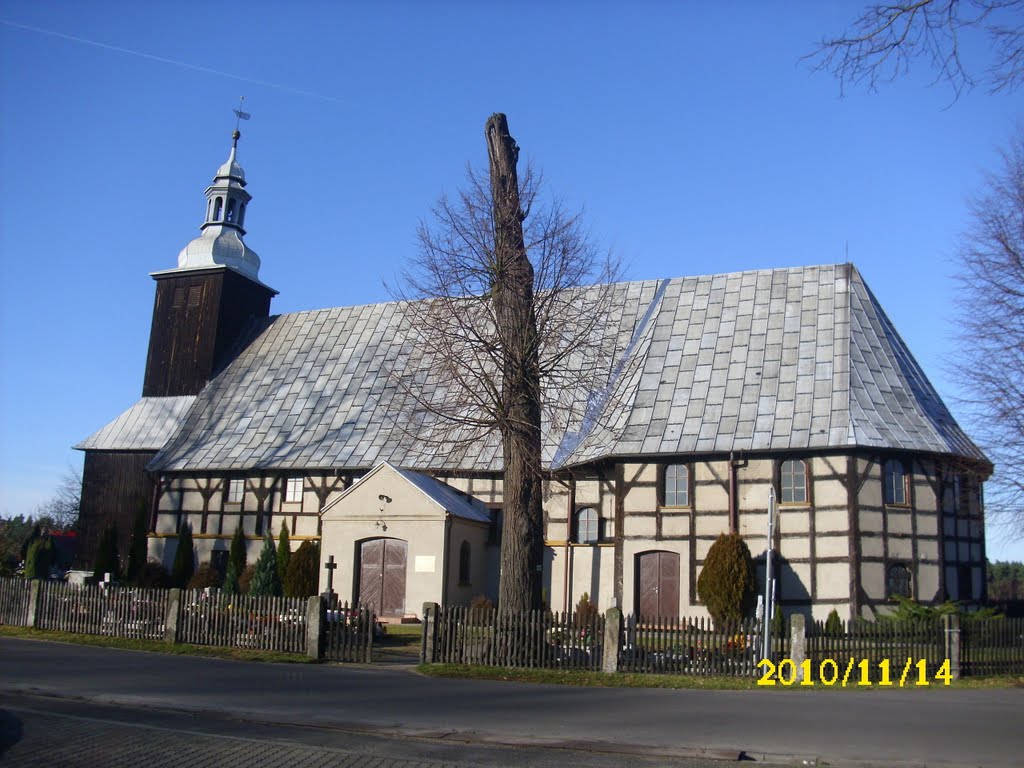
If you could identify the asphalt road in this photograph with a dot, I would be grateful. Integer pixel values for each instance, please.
(879, 727)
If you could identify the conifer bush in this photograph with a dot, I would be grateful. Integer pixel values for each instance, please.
(265, 580)
(303, 575)
(106, 560)
(726, 583)
(40, 558)
(236, 563)
(137, 549)
(184, 566)
(833, 624)
(245, 580)
(284, 551)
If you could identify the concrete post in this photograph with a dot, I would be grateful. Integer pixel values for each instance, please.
(33, 602)
(429, 633)
(951, 627)
(798, 644)
(171, 619)
(612, 633)
(314, 615)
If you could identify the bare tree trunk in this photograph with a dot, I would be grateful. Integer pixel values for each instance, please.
(522, 546)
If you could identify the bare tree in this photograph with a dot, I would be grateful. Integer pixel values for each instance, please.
(62, 508)
(508, 335)
(991, 354)
(881, 44)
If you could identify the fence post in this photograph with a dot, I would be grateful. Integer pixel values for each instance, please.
(314, 615)
(612, 637)
(429, 633)
(798, 643)
(33, 602)
(171, 619)
(951, 633)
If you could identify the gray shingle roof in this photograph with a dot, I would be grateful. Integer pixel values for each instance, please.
(146, 426)
(785, 359)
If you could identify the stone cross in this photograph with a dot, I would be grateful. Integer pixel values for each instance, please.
(331, 566)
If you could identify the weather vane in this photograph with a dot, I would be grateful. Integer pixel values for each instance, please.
(239, 113)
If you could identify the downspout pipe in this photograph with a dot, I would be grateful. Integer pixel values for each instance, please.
(568, 538)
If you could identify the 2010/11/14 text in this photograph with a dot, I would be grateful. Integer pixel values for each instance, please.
(863, 673)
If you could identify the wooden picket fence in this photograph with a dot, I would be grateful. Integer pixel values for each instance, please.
(210, 617)
(347, 634)
(692, 646)
(14, 601)
(876, 642)
(97, 610)
(992, 647)
(537, 639)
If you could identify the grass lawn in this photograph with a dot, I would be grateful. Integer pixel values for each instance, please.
(631, 680)
(239, 654)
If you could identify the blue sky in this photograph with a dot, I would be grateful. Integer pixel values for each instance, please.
(692, 134)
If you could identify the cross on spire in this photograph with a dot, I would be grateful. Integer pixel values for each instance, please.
(239, 114)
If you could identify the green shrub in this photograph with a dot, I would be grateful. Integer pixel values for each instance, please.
(205, 576)
(184, 565)
(303, 574)
(265, 580)
(284, 551)
(245, 580)
(236, 563)
(40, 558)
(833, 624)
(106, 560)
(153, 575)
(137, 549)
(726, 582)
(585, 611)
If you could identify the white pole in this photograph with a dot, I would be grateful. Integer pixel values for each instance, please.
(769, 587)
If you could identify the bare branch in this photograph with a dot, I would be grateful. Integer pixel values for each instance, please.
(887, 38)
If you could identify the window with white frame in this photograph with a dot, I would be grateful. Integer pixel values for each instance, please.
(293, 489)
(675, 491)
(236, 489)
(588, 526)
(793, 482)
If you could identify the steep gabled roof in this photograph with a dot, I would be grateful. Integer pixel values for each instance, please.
(785, 359)
(146, 426)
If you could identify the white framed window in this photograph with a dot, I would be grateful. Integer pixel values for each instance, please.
(793, 482)
(588, 526)
(675, 491)
(236, 489)
(293, 489)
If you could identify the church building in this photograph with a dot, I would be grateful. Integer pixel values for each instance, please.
(788, 379)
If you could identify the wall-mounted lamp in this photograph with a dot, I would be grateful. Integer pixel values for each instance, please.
(382, 525)
(384, 500)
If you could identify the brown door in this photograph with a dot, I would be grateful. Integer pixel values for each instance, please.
(658, 584)
(382, 576)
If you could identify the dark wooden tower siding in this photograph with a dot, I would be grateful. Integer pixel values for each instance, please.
(198, 317)
(114, 486)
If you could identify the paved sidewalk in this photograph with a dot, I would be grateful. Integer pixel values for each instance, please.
(87, 743)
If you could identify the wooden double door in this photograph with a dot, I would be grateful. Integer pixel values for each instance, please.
(382, 569)
(658, 584)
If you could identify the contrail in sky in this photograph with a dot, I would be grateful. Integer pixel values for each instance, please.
(172, 62)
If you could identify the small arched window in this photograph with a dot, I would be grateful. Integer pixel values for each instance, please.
(464, 563)
(241, 214)
(676, 489)
(793, 482)
(231, 210)
(895, 482)
(899, 581)
(218, 206)
(588, 525)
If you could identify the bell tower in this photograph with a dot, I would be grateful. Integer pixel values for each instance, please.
(204, 305)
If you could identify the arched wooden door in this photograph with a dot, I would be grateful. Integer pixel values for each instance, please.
(658, 584)
(382, 566)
